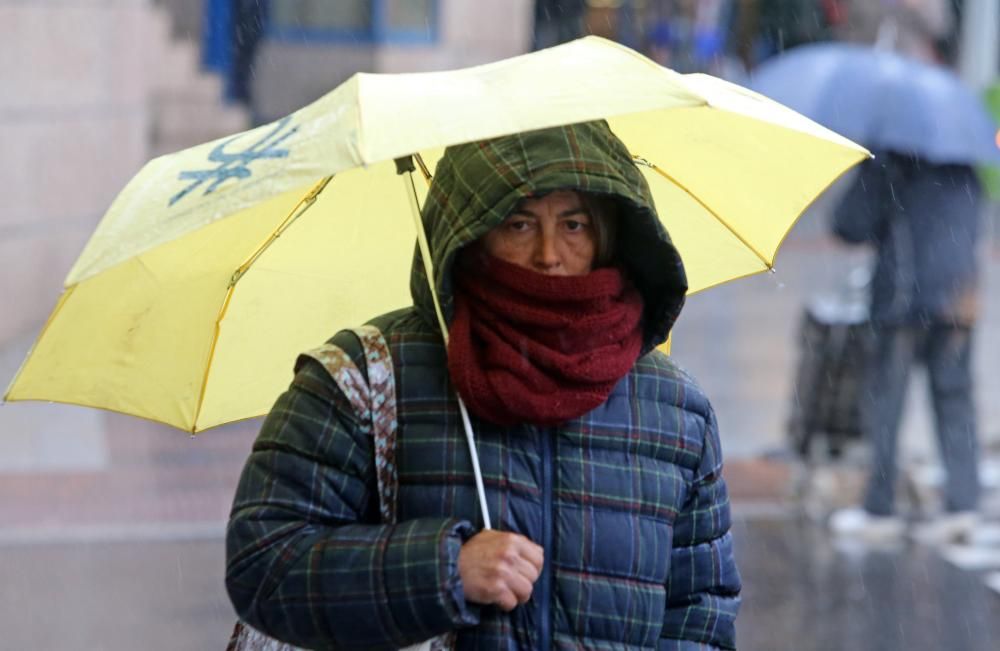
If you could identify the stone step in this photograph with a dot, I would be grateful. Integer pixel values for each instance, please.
(180, 122)
(159, 26)
(177, 66)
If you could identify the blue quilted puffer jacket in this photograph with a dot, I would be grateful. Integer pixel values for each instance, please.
(627, 501)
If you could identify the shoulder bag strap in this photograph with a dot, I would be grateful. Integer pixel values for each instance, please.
(382, 383)
(374, 404)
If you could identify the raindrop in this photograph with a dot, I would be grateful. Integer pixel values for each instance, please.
(180, 573)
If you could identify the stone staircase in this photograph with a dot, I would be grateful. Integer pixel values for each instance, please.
(187, 103)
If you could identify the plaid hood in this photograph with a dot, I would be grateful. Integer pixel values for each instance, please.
(476, 185)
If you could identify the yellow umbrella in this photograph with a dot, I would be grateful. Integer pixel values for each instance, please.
(210, 272)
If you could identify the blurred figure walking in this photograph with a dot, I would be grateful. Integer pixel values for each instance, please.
(914, 28)
(924, 221)
(690, 36)
(766, 28)
(249, 19)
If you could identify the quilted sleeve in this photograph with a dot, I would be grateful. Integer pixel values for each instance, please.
(704, 584)
(307, 562)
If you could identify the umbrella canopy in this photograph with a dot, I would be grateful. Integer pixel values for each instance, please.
(883, 100)
(216, 265)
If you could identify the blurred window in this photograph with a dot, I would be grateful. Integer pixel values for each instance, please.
(348, 15)
(410, 16)
(359, 21)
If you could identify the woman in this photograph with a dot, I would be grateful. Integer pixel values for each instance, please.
(601, 458)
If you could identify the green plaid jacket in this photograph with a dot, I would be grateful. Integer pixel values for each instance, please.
(628, 500)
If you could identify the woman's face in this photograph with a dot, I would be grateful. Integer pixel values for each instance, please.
(552, 235)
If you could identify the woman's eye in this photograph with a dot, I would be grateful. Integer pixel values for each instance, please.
(518, 225)
(574, 225)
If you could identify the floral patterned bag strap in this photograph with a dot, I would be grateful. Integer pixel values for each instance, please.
(382, 409)
(374, 404)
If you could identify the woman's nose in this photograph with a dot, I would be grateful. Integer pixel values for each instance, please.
(546, 256)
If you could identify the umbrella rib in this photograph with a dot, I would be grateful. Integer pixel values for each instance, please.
(211, 355)
(642, 161)
(300, 208)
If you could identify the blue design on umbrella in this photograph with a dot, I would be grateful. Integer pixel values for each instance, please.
(235, 165)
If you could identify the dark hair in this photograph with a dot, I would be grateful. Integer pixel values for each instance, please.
(604, 214)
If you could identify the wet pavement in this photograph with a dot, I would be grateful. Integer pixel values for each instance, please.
(801, 594)
(150, 594)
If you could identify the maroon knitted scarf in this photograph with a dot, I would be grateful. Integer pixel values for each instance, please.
(532, 348)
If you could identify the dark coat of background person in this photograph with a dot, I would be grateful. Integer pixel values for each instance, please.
(627, 500)
(924, 220)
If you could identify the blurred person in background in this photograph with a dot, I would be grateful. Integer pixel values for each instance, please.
(248, 24)
(601, 457)
(765, 28)
(923, 220)
(557, 21)
(913, 28)
(689, 36)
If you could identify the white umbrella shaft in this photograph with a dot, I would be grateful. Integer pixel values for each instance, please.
(425, 254)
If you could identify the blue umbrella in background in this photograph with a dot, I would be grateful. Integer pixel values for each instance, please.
(883, 101)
